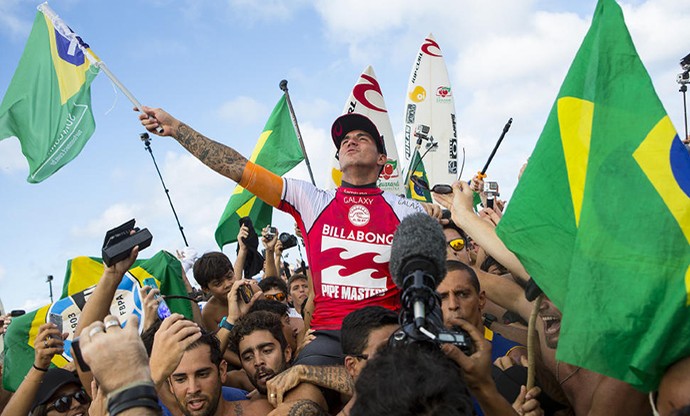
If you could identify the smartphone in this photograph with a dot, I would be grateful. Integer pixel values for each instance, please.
(246, 293)
(163, 309)
(56, 319)
(76, 353)
(17, 312)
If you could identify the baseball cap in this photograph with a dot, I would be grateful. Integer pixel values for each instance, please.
(353, 121)
(54, 379)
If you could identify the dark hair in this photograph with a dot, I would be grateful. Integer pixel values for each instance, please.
(454, 265)
(451, 225)
(148, 335)
(490, 261)
(269, 283)
(296, 276)
(257, 321)
(437, 389)
(358, 324)
(211, 266)
(209, 338)
(269, 305)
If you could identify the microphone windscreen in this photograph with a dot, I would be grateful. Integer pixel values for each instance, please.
(418, 243)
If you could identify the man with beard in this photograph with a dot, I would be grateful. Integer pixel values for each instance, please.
(259, 341)
(188, 370)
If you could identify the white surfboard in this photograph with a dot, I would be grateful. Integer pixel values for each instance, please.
(429, 102)
(366, 98)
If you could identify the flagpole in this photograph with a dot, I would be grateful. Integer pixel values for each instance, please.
(284, 88)
(147, 144)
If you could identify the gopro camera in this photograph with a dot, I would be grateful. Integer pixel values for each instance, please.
(271, 233)
(422, 132)
(119, 242)
(491, 191)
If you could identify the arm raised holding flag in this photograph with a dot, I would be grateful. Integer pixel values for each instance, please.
(347, 231)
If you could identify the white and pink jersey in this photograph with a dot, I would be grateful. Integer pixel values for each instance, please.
(348, 235)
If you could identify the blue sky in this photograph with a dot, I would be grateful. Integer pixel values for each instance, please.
(217, 64)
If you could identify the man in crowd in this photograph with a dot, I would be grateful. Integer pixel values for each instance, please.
(347, 232)
(588, 392)
(259, 341)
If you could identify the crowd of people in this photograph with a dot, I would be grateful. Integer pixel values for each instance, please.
(327, 338)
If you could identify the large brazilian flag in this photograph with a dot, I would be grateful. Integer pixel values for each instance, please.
(278, 151)
(81, 277)
(48, 103)
(601, 216)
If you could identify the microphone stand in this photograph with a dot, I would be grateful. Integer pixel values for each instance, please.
(147, 144)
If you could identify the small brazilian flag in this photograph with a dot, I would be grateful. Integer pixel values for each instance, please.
(413, 190)
(48, 103)
(601, 216)
(278, 151)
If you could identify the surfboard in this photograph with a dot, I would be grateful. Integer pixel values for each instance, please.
(366, 99)
(429, 102)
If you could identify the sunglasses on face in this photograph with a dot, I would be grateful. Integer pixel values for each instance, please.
(457, 244)
(438, 189)
(278, 296)
(63, 403)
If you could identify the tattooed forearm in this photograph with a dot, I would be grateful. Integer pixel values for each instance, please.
(306, 408)
(333, 377)
(223, 159)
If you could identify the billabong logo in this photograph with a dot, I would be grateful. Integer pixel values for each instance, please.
(360, 90)
(354, 263)
(358, 215)
(418, 94)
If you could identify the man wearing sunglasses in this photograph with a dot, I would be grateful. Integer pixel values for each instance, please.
(61, 393)
(347, 231)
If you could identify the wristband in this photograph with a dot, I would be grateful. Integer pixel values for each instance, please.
(44, 370)
(140, 394)
(225, 324)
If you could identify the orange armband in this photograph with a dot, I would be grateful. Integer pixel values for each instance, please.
(263, 183)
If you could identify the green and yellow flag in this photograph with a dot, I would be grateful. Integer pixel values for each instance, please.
(81, 278)
(416, 192)
(48, 103)
(601, 216)
(277, 150)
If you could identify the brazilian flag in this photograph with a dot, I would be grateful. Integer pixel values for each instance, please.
(601, 216)
(81, 277)
(48, 103)
(278, 151)
(414, 191)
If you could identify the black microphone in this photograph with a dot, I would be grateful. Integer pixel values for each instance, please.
(418, 245)
(417, 265)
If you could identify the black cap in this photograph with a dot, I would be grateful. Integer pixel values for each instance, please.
(54, 379)
(353, 121)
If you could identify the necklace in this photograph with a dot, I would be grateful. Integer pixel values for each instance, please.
(558, 377)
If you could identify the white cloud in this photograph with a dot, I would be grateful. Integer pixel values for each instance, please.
(10, 21)
(266, 10)
(245, 110)
(11, 158)
(113, 216)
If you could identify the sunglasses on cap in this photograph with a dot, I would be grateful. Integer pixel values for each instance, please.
(438, 188)
(63, 403)
(280, 296)
(457, 244)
